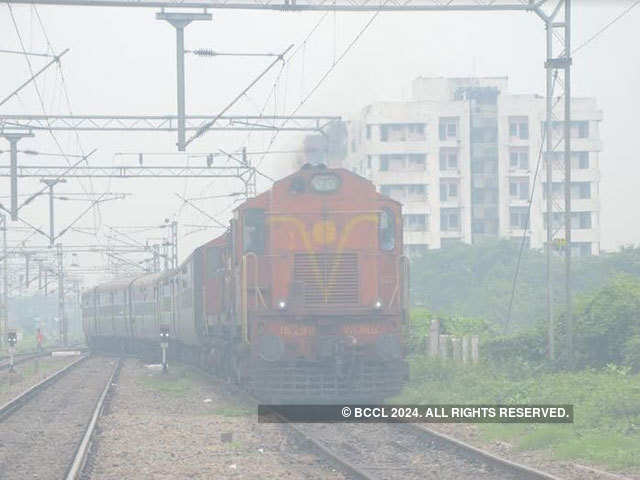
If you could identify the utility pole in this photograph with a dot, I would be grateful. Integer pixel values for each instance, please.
(62, 321)
(179, 20)
(567, 177)
(4, 311)
(558, 68)
(13, 137)
(174, 244)
(51, 182)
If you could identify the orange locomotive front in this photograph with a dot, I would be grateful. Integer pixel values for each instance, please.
(303, 298)
(314, 281)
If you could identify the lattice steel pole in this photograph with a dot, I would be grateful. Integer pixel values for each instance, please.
(4, 313)
(558, 67)
(62, 321)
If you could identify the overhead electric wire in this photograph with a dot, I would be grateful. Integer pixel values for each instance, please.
(326, 74)
(606, 27)
(527, 226)
(35, 84)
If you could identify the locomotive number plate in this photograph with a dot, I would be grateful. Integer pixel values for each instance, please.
(356, 330)
(297, 330)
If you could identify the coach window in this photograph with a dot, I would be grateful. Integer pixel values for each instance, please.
(253, 230)
(387, 230)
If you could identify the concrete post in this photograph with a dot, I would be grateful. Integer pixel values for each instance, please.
(434, 332)
(475, 341)
(465, 349)
(443, 344)
(457, 349)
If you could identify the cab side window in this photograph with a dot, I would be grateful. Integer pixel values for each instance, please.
(253, 228)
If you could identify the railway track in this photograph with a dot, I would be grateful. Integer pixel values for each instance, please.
(5, 362)
(383, 451)
(47, 431)
(407, 451)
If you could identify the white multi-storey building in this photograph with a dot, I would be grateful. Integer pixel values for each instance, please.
(462, 156)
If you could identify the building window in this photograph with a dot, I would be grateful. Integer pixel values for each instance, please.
(519, 188)
(519, 217)
(402, 132)
(415, 222)
(405, 193)
(581, 249)
(448, 191)
(368, 132)
(583, 160)
(579, 220)
(519, 158)
(448, 159)
(519, 127)
(584, 220)
(583, 190)
(416, 161)
(368, 161)
(416, 250)
(579, 190)
(384, 133)
(580, 130)
(448, 128)
(416, 128)
(401, 162)
(449, 219)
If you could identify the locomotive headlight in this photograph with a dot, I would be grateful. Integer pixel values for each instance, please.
(377, 305)
(282, 304)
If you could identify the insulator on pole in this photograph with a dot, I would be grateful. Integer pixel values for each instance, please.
(204, 52)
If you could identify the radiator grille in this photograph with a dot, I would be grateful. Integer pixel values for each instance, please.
(327, 278)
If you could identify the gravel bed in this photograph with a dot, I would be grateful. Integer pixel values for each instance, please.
(393, 452)
(27, 374)
(38, 441)
(536, 459)
(182, 426)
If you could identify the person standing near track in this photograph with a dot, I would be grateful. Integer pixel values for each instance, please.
(39, 339)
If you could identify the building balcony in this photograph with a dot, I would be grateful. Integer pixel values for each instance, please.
(390, 177)
(451, 233)
(451, 202)
(518, 142)
(379, 148)
(450, 173)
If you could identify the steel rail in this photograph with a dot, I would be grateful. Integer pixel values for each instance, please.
(470, 450)
(352, 469)
(77, 466)
(13, 405)
(334, 457)
(21, 358)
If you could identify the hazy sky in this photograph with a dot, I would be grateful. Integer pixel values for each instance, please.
(122, 61)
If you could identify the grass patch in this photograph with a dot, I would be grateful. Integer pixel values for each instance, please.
(232, 411)
(606, 428)
(179, 382)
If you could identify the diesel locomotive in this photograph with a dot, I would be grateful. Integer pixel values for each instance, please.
(303, 298)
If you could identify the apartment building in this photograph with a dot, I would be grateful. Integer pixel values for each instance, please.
(462, 157)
